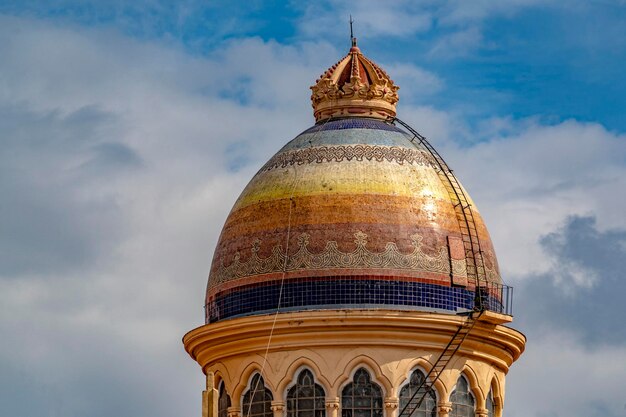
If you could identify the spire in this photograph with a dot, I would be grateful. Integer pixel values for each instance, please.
(352, 38)
(354, 48)
(354, 87)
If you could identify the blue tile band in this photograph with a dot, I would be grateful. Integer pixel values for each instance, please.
(352, 123)
(339, 294)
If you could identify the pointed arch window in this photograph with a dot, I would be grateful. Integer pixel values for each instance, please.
(257, 401)
(489, 405)
(223, 401)
(306, 398)
(428, 408)
(362, 397)
(463, 404)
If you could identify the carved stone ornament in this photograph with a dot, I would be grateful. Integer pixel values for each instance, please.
(233, 411)
(444, 407)
(482, 412)
(391, 403)
(354, 86)
(277, 406)
(332, 404)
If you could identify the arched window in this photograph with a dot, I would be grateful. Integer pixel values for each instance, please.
(489, 405)
(306, 398)
(463, 404)
(257, 402)
(428, 408)
(223, 401)
(362, 397)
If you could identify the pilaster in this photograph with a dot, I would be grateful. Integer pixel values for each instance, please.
(482, 412)
(391, 406)
(209, 397)
(234, 411)
(278, 408)
(444, 409)
(332, 407)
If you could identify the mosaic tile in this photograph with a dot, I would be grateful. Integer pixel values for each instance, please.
(338, 293)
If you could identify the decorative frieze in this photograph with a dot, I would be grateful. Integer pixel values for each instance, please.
(332, 258)
(341, 153)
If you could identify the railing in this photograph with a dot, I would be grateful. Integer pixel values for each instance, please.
(494, 297)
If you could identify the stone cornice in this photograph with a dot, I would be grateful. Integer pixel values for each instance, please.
(424, 331)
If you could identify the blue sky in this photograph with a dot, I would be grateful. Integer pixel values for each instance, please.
(560, 60)
(128, 129)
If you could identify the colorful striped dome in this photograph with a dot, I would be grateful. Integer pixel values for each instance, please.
(349, 214)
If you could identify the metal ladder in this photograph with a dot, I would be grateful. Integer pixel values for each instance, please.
(442, 361)
(476, 273)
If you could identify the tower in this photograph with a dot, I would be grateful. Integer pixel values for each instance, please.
(354, 276)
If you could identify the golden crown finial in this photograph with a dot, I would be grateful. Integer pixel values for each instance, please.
(354, 87)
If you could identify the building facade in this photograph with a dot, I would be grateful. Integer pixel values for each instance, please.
(354, 276)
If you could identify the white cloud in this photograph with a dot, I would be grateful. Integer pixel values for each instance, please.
(455, 12)
(556, 377)
(130, 155)
(441, 128)
(527, 177)
(415, 83)
(458, 23)
(135, 152)
(458, 43)
(528, 181)
(370, 18)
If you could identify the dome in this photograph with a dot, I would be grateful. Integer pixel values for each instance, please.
(354, 269)
(352, 213)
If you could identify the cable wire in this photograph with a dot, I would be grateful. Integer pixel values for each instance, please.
(284, 271)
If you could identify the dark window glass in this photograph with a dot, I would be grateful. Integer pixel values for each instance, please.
(428, 407)
(462, 400)
(257, 401)
(306, 398)
(362, 397)
(223, 402)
